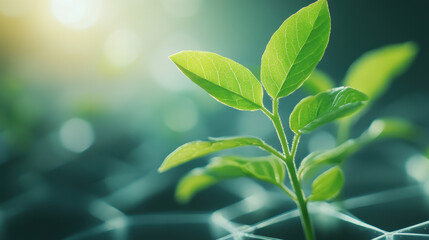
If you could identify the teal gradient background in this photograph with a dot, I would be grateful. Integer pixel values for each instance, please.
(88, 112)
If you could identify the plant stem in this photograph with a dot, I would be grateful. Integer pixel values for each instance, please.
(275, 118)
(296, 184)
(271, 150)
(295, 142)
(343, 131)
(288, 192)
(291, 168)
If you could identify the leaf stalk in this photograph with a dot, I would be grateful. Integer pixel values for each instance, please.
(298, 196)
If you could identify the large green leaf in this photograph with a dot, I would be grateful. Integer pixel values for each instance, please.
(295, 49)
(373, 72)
(318, 82)
(268, 169)
(192, 150)
(327, 185)
(227, 81)
(314, 111)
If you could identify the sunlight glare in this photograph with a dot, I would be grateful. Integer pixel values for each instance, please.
(182, 8)
(77, 14)
(16, 8)
(122, 47)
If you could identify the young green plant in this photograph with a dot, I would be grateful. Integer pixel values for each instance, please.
(288, 63)
(371, 74)
(289, 59)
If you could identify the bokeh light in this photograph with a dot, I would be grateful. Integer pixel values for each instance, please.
(77, 14)
(76, 135)
(417, 167)
(122, 47)
(181, 115)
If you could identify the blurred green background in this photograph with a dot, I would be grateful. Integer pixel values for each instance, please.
(90, 104)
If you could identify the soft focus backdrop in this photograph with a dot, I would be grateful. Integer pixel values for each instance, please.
(90, 104)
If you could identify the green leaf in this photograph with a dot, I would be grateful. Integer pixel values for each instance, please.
(268, 169)
(392, 128)
(373, 71)
(295, 49)
(379, 129)
(192, 150)
(334, 156)
(194, 182)
(318, 82)
(315, 111)
(327, 185)
(227, 81)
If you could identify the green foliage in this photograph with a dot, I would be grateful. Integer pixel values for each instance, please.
(295, 49)
(318, 82)
(268, 169)
(315, 111)
(192, 150)
(288, 62)
(335, 156)
(373, 71)
(227, 81)
(383, 128)
(392, 128)
(327, 185)
(195, 181)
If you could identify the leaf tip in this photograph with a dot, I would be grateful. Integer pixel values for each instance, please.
(182, 199)
(174, 56)
(412, 46)
(161, 169)
(164, 167)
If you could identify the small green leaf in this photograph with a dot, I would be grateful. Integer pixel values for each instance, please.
(195, 181)
(192, 150)
(373, 72)
(227, 81)
(379, 129)
(315, 111)
(318, 82)
(267, 169)
(295, 49)
(327, 185)
(334, 156)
